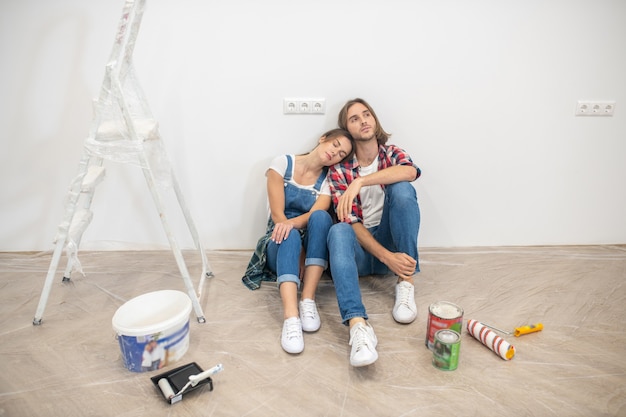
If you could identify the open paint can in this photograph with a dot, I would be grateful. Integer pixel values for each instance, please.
(446, 350)
(443, 315)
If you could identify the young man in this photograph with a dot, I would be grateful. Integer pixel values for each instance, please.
(378, 225)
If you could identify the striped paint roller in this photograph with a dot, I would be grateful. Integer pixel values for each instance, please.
(489, 338)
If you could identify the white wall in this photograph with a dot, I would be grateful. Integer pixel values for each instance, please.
(480, 93)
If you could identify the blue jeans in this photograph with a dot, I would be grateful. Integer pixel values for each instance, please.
(284, 259)
(397, 232)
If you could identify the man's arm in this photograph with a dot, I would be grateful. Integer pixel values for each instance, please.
(390, 175)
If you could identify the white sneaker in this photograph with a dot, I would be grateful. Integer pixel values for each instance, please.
(405, 310)
(309, 316)
(291, 339)
(363, 342)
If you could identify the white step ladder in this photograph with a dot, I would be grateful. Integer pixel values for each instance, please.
(124, 131)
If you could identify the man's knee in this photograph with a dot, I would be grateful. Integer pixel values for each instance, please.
(341, 229)
(340, 233)
(401, 196)
(401, 189)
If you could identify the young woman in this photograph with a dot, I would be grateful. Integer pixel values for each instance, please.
(299, 199)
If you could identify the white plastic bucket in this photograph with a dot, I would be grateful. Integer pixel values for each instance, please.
(153, 329)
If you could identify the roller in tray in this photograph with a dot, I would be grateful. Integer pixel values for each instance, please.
(176, 382)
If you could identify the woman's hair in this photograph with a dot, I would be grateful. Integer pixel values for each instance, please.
(334, 133)
(381, 135)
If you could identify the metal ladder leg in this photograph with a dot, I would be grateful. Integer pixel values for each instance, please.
(180, 261)
(206, 269)
(62, 236)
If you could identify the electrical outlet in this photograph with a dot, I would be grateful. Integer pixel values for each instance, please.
(318, 106)
(290, 106)
(304, 105)
(595, 108)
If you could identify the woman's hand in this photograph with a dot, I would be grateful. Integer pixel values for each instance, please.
(281, 232)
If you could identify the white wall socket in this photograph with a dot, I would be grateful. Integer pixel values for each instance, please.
(304, 105)
(595, 108)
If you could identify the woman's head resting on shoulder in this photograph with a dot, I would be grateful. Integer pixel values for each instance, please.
(335, 146)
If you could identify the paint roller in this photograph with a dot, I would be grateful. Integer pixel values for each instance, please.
(490, 339)
(168, 391)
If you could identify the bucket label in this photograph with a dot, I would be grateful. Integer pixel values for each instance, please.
(151, 352)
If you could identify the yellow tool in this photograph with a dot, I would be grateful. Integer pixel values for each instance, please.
(530, 328)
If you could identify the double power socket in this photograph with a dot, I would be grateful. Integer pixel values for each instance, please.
(304, 105)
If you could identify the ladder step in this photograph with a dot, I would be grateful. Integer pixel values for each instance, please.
(109, 130)
(94, 176)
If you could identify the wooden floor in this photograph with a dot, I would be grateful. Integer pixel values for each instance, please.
(71, 365)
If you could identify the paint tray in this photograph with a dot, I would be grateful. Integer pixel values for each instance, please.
(178, 378)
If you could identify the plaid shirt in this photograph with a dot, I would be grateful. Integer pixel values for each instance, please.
(341, 175)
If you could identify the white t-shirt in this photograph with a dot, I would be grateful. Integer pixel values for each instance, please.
(372, 198)
(279, 164)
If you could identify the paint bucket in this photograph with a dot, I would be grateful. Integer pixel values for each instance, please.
(443, 315)
(153, 329)
(446, 350)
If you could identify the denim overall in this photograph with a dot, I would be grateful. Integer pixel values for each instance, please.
(299, 200)
(284, 258)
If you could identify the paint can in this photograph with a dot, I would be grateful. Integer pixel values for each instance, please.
(443, 315)
(446, 350)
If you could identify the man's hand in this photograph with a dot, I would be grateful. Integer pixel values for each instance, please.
(401, 264)
(344, 205)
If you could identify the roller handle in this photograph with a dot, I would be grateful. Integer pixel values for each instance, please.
(194, 379)
(531, 328)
